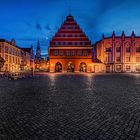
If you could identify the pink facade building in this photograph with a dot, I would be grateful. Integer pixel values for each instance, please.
(119, 53)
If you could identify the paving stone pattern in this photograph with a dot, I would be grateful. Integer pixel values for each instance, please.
(71, 107)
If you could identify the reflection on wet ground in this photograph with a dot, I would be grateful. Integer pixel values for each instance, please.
(71, 107)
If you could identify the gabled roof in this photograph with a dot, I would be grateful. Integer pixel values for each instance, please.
(70, 33)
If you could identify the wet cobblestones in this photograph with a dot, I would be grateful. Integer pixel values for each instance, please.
(71, 107)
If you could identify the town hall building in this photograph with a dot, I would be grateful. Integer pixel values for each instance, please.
(70, 49)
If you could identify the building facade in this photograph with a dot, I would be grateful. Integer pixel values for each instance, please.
(27, 59)
(11, 54)
(119, 53)
(70, 49)
(16, 59)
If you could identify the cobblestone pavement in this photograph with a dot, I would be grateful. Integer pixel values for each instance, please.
(71, 107)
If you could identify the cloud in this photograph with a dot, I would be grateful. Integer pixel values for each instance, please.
(47, 27)
(28, 24)
(38, 26)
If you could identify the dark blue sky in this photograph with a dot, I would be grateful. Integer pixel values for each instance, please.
(33, 20)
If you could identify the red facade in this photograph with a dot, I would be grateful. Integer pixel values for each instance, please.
(70, 49)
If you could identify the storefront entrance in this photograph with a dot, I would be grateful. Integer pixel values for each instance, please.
(83, 67)
(58, 67)
(70, 67)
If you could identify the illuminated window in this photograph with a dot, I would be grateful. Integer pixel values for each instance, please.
(6, 57)
(67, 53)
(85, 53)
(138, 68)
(108, 49)
(128, 49)
(61, 53)
(6, 49)
(73, 53)
(79, 53)
(10, 60)
(118, 68)
(127, 59)
(118, 59)
(56, 53)
(137, 59)
(137, 49)
(128, 68)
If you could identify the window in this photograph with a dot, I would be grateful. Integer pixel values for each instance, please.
(118, 68)
(138, 49)
(73, 35)
(67, 43)
(6, 49)
(73, 53)
(78, 43)
(79, 53)
(6, 57)
(118, 59)
(56, 53)
(73, 43)
(84, 43)
(85, 53)
(63, 43)
(10, 50)
(67, 53)
(137, 59)
(62, 35)
(138, 68)
(13, 60)
(128, 68)
(108, 49)
(128, 49)
(67, 35)
(61, 53)
(79, 35)
(9, 59)
(56, 43)
(118, 49)
(127, 59)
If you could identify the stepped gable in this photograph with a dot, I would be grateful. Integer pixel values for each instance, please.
(70, 35)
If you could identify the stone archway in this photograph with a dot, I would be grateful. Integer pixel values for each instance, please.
(70, 67)
(83, 67)
(58, 67)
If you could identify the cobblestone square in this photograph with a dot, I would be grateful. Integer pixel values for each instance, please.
(71, 107)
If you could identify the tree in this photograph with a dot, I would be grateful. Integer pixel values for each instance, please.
(1, 62)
